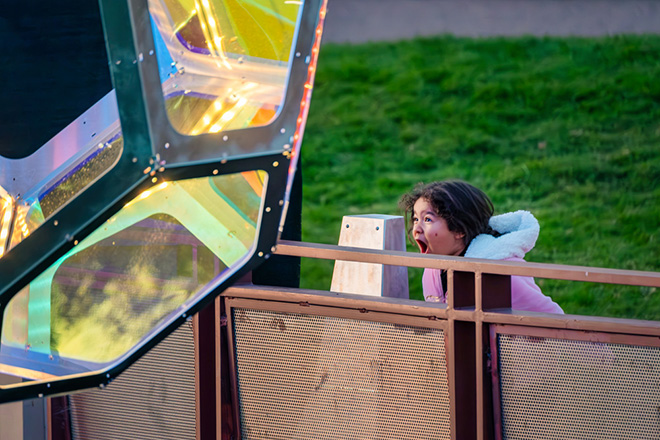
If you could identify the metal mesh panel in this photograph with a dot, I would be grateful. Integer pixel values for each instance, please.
(563, 389)
(312, 377)
(153, 400)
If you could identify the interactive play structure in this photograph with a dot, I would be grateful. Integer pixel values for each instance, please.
(171, 185)
(125, 242)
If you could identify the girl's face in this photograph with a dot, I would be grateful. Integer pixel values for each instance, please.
(431, 233)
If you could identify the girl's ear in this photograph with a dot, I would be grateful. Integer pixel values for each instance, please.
(459, 235)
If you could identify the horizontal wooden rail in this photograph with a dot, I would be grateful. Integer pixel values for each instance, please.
(302, 299)
(410, 259)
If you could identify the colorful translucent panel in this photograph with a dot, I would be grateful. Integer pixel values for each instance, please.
(39, 185)
(223, 63)
(33, 211)
(72, 181)
(259, 28)
(132, 275)
(6, 210)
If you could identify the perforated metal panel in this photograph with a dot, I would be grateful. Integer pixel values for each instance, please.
(563, 389)
(312, 377)
(153, 400)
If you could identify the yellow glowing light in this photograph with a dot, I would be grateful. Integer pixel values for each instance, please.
(212, 33)
(214, 121)
(6, 221)
(228, 116)
(147, 193)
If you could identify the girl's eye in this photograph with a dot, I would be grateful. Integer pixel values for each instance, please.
(427, 219)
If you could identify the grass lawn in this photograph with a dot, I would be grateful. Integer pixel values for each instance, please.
(568, 128)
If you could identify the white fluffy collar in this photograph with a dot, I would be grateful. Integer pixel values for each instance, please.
(519, 233)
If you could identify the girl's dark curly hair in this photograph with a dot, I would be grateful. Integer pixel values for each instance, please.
(466, 209)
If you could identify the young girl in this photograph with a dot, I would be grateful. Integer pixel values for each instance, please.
(455, 218)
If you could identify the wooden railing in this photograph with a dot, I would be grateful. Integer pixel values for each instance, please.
(477, 314)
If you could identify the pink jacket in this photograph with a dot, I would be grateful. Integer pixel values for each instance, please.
(519, 233)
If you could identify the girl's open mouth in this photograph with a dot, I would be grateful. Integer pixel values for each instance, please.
(423, 247)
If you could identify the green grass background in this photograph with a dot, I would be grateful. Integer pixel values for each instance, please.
(568, 128)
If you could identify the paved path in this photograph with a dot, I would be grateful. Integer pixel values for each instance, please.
(359, 21)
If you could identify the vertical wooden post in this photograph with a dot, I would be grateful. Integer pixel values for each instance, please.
(492, 292)
(59, 418)
(372, 231)
(468, 344)
(480, 364)
(205, 376)
(461, 355)
(225, 408)
(463, 389)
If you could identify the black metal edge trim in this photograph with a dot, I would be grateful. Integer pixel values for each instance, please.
(184, 149)
(266, 240)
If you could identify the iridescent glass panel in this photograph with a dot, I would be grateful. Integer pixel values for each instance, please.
(39, 185)
(223, 63)
(131, 276)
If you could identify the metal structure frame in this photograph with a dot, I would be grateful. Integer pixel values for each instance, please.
(479, 305)
(146, 129)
